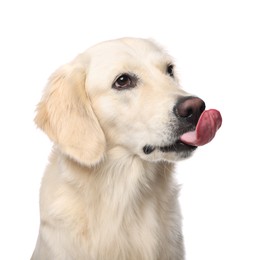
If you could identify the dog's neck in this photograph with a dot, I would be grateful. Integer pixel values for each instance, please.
(127, 175)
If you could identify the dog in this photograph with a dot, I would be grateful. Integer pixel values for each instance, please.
(119, 122)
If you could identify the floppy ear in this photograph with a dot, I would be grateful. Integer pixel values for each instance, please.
(66, 115)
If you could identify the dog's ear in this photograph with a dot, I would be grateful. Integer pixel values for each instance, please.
(66, 115)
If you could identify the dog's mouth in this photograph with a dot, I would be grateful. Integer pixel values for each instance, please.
(177, 147)
(206, 128)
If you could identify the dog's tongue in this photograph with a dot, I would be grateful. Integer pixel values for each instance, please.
(207, 126)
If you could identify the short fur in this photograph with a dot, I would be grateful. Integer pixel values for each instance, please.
(102, 197)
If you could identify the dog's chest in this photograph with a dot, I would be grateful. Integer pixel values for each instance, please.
(113, 219)
(136, 235)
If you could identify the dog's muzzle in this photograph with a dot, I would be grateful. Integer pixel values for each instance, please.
(196, 126)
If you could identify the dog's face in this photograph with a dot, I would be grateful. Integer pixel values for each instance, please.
(121, 93)
(134, 89)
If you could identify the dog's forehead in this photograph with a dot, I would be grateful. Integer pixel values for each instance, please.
(128, 50)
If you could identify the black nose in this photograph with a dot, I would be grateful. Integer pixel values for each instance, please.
(189, 109)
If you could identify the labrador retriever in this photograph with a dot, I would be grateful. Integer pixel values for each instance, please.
(119, 121)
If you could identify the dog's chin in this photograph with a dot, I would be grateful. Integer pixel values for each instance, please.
(173, 152)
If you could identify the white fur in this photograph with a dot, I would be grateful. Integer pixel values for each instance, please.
(102, 197)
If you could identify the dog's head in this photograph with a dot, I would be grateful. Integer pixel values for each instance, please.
(121, 93)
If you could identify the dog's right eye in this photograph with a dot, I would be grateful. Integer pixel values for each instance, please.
(170, 70)
(124, 81)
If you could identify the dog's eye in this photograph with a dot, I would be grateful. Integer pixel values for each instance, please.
(170, 70)
(124, 81)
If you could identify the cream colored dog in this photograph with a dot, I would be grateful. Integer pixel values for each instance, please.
(118, 120)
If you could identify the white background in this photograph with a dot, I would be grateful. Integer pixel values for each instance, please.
(213, 44)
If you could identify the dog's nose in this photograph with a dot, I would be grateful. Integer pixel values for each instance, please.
(189, 109)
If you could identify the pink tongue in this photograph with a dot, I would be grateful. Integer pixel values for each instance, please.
(207, 126)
